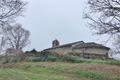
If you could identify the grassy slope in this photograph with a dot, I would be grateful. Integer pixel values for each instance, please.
(59, 71)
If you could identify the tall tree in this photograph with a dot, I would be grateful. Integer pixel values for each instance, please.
(116, 44)
(105, 16)
(9, 11)
(17, 37)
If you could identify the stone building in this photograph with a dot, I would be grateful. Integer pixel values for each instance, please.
(80, 48)
(55, 43)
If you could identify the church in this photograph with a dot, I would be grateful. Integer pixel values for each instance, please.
(88, 50)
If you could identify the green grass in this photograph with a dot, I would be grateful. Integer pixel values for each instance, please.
(56, 71)
(96, 76)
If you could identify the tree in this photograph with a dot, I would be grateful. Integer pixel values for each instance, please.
(105, 16)
(2, 43)
(9, 10)
(16, 37)
(116, 43)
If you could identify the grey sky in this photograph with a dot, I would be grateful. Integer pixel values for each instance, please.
(61, 19)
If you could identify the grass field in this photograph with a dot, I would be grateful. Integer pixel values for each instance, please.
(59, 71)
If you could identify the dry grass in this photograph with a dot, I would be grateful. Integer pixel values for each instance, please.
(104, 68)
(61, 71)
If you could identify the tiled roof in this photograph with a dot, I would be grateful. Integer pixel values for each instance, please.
(81, 44)
(91, 45)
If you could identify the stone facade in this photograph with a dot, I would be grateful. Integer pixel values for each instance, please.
(80, 48)
(55, 43)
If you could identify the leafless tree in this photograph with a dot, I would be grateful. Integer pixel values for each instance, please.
(9, 10)
(17, 37)
(2, 43)
(116, 44)
(105, 16)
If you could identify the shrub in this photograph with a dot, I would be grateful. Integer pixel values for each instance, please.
(51, 58)
(41, 58)
(113, 62)
(4, 61)
(71, 58)
(15, 59)
(34, 59)
(11, 59)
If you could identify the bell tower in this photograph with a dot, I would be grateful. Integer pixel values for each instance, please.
(55, 43)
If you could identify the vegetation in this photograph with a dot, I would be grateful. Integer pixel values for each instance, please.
(53, 58)
(16, 37)
(54, 67)
(58, 71)
(106, 16)
(10, 10)
(13, 38)
(103, 16)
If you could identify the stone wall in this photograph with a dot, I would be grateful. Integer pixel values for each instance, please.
(88, 51)
(91, 51)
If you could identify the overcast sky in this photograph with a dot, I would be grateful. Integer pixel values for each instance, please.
(61, 19)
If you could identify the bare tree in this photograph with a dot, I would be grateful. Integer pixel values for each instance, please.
(116, 44)
(2, 43)
(105, 16)
(9, 10)
(17, 37)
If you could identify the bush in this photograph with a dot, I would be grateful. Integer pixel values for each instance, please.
(15, 59)
(51, 58)
(34, 59)
(71, 58)
(113, 62)
(41, 58)
(4, 61)
(11, 59)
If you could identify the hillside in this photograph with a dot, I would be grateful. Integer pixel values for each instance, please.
(59, 71)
